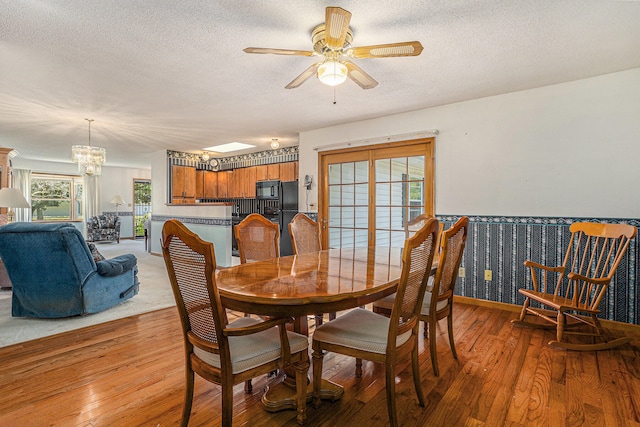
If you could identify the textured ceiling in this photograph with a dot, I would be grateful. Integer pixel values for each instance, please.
(169, 74)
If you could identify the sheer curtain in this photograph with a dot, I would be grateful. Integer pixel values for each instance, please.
(91, 198)
(22, 181)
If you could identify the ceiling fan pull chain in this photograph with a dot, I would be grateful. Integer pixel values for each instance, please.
(334, 96)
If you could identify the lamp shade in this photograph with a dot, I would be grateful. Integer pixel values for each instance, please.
(12, 198)
(117, 199)
(332, 72)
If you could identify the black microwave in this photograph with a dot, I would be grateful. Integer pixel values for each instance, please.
(267, 190)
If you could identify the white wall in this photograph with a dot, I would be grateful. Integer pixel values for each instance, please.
(570, 149)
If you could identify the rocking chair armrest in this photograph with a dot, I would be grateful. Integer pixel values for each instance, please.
(259, 327)
(595, 280)
(558, 269)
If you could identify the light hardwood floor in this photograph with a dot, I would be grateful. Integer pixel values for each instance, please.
(130, 373)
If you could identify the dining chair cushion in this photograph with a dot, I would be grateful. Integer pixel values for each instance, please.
(359, 329)
(426, 304)
(250, 351)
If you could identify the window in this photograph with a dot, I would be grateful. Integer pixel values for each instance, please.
(56, 197)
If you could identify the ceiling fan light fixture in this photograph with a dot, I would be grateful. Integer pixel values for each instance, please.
(332, 72)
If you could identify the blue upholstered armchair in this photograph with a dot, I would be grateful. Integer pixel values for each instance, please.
(54, 274)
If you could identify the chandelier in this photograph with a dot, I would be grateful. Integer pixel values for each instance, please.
(89, 158)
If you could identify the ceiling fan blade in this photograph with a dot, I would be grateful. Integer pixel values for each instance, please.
(279, 51)
(303, 77)
(386, 50)
(336, 26)
(362, 79)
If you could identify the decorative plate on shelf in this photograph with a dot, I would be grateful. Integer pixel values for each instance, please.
(214, 164)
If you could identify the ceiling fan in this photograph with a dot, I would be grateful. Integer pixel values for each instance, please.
(332, 42)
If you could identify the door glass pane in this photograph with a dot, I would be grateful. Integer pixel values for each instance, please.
(348, 195)
(348, 173)
(362, 171)
(416, 168)
(383, 170)
(334, 174)
(348, 219)
(383, 194)
(398, 194)
(334, 237)
(362, 196)
(334, 195)
(334, 216)
(398, 168)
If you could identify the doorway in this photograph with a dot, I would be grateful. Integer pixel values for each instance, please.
(368, 194)
(141, 205)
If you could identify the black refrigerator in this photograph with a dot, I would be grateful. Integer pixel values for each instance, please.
(287, 209)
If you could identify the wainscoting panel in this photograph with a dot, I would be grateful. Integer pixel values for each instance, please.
(502, 244)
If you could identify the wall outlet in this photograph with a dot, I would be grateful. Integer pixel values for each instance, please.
(462, 272)
(488, 275)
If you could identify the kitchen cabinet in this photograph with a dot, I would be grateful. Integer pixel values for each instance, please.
(273, 171)
(183, 184)
(206, 184)
(288, 171)
(249, 181)
(223, 187)
(261, 173)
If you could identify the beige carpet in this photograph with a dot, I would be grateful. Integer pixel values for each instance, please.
(155, 293)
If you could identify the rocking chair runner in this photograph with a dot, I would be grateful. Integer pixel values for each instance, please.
(592, 257)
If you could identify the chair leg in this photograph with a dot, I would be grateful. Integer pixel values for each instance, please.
(450, 326)
(302, 369)
(416, 374)
(332, 316)
(391, 393)
(188, 397)
(318, 319)
(248, 387)
(358, 368)
(227, 405)
(560, 327)
(432, 347)
(317, 375)
(523, 312)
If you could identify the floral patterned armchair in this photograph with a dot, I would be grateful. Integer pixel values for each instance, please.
(103, 227)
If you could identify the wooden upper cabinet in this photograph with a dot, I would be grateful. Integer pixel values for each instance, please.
(223, 178)
(211, 184)
(261, 173)
(206, 184)
(273, 171)
(250, 182)
(289, 171)
(183, 184)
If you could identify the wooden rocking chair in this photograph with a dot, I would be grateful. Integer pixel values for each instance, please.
(592, 257)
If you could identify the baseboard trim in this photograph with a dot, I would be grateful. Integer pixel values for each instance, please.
(611, 324)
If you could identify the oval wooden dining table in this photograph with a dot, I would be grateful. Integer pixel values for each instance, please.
(308, 284)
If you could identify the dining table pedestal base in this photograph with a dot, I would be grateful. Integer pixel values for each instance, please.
(282, 395)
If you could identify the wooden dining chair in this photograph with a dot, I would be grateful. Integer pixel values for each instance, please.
(367, 335)
(305, 238)
(438, 299)
(221, 352)
(593, 255)
(416, 224)
(258, 239)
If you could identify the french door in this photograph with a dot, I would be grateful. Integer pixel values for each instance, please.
(368, 194)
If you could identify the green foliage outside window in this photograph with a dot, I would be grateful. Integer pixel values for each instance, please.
(56, 198)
